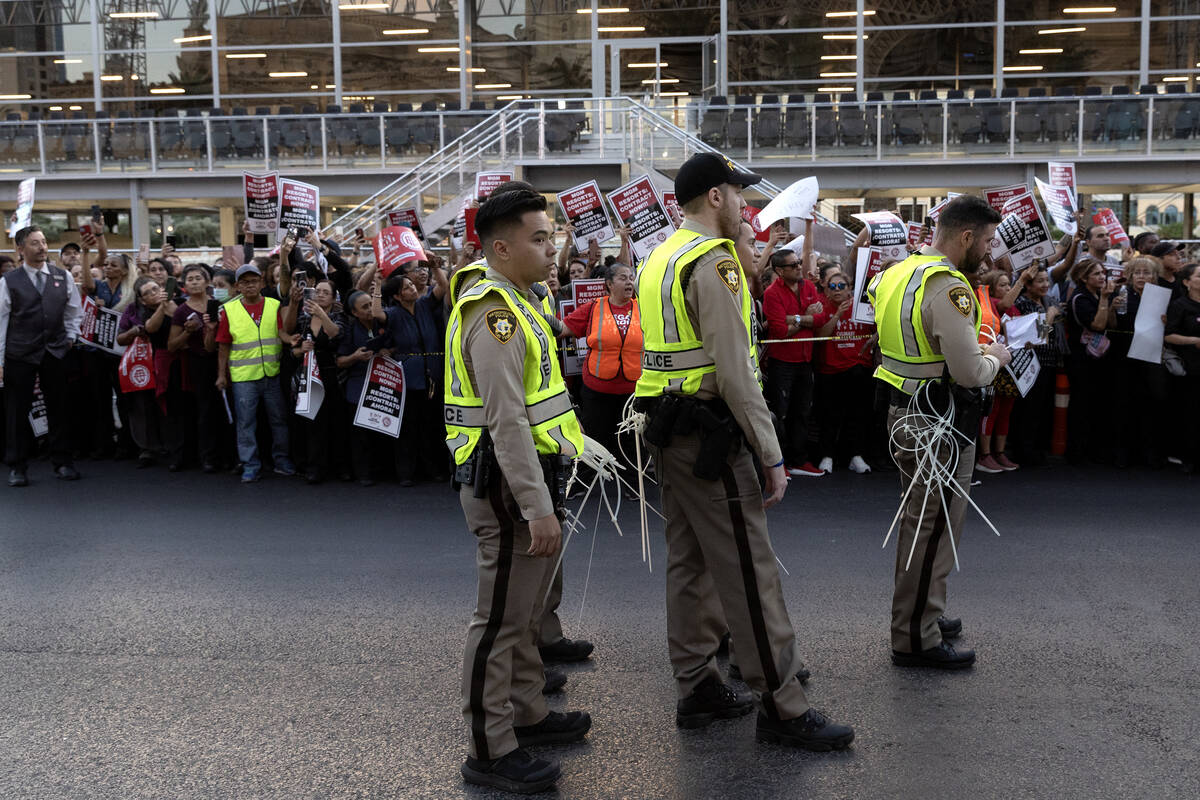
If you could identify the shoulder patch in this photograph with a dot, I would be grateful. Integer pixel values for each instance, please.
(962, 300)
(502, 324)
(730, 275)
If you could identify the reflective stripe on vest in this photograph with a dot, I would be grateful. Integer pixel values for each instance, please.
(673, 357)
(256, 349)
(897, 294)
(612, 354)
(548, 408)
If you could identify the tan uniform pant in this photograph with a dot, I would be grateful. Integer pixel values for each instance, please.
(721, 568)
(550, 630)
(502, 670)
(920, 594)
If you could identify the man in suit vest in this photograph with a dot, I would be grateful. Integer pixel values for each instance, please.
(40, 314)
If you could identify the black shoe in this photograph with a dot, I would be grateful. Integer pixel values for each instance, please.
(407, 483)
(17, 477)
(516, 772)
(366, 482)
(556, 728)
(565, 650)
(175, 467)
(145, 460)
(950, 628)
(209, 468)
(812, 730)
(66, 472)
(710, 701)
(314, 477)
(723, 645)
(555, 681)
(941, 657)
(802, 674)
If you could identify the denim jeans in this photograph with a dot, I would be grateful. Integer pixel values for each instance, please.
(790, 397)
(246, 396)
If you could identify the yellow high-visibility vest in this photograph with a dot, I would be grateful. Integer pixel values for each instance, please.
(897, 294)
(673, 357)
(548, 407)
(256, 349)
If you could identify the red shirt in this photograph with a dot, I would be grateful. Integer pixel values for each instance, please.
(841, 356)
(779, 303)
(255, 311)
(580, 322)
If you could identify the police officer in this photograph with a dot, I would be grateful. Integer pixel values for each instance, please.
(511, 430)
(706, 419)
(928, 321)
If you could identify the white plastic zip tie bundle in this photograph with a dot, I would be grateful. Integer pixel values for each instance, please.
(936, 447)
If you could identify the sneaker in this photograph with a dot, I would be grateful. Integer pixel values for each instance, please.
(556, 728)
(1006, 464)
(988, 464)
(565, 650)
(857, 464)
(812, 730)
(516, 772)
(250, 476)
(285, 468)
(710, 701)
(826, 465)
(805, 470)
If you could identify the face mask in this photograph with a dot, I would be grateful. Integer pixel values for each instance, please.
(220, 293)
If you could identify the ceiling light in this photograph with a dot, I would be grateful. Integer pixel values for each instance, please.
(838, 58)
(664, 80)
(364, 6)
(509, 97)
(68, 61)
(1175, 79)
(437, 49)
(848, 13)
(469, 69)
(404, 31)
(647, 65)
(838, 75)
(1045, 31)
(1090, 10)
(167, 90)
(493, 86)
(672, 94)
(622, 29)
(314, 86)
(1038, 51)
(296, 74)
(603, 11)
(331, 86)
(16, 97)
(835, 89)
(841, 37)
(206, 37)
(134, 15)
(133, 77)
(74, 108)
(245, 55)
(1023, 69)
(112, 77)
(56, 108)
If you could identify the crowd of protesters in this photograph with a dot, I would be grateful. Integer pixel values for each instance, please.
(229, 340)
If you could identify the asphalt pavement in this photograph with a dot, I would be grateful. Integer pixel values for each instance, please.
(184, 636)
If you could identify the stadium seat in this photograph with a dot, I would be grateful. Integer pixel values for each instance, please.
(247, 134)
(715, 121)
(852, 122)
(826, 119)
(768, 125)
(797, 124)
(736, 133)
(908, 122)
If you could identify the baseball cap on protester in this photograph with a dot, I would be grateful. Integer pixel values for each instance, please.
(247, 269)
(703, 171)
(1162, 248)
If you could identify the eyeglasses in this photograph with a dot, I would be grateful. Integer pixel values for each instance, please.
(788, 266)
(837, 286)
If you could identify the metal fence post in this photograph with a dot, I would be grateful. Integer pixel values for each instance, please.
(1150, 126)
(541, 130)
(324, 147)
(879, 131)
(812, 123)
(945, 129)
(208, 141)
(96, 143)
(266, 144)
(1079, 132)
(153, 148)
(41, 145)
(382, 145)
(1012, 127)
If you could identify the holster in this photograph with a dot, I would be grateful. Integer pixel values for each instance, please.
(479, 470)
(970, 405)
(556, 472)
(672, 414)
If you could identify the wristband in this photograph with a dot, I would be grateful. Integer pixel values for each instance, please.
(780, 464)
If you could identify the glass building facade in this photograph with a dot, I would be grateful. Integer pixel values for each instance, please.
(146, 56)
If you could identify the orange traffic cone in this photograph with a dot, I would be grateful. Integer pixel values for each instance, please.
(1062, 398)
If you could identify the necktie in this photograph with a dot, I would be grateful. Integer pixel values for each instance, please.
(41, 281)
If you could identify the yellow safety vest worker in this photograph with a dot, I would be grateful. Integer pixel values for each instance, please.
(673, 357)
(255, 351)
(476, 269)
(897, 294)
(548, 407)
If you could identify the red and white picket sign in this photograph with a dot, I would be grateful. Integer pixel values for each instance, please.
(136, 370)
(395, 246)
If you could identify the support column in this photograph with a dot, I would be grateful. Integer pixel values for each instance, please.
(860, 49)
(229, 227)
(139, 214)
(466, 21)
(998, 50)
(97, 56)
(337, 55)
(598, 78)
(215, 59)
(722, 52)
(1189, 209)
(1144, 55)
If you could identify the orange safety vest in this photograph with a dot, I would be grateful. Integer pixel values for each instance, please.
(989, 320)
(611, 354)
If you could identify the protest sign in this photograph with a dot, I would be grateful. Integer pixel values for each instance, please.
(762, 232)
(381, 404)
(672, 207)
(136, 370)
(913, 235)
(98, 327)
(574, 350)
(1116, 233)
(1023, 232)
(1062, 173)
(797, 200)
(870, 264)
(312, 388)
(585, 290)
(1022, 372)
(583, 206)
(299, 206)
(407, 218)
(23, 216)
(39, 420)
(1060, 203)
(1148, 325)
(1024, 329)
(997, 197)
(261, 200)
(638, 208)
(887, 233)
(395, 246)
(464, 229)
(485, 182)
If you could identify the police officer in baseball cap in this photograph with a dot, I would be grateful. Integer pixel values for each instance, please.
(705, 171)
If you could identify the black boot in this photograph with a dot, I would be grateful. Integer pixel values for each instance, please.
(950, 628)
(555, 680)
(941, 657)
(565, 650)
(710, 701)
(812, 730)
(515, 772)
(556, 728)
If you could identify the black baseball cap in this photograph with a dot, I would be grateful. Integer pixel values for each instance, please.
(703, 171)
(1162, 248)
